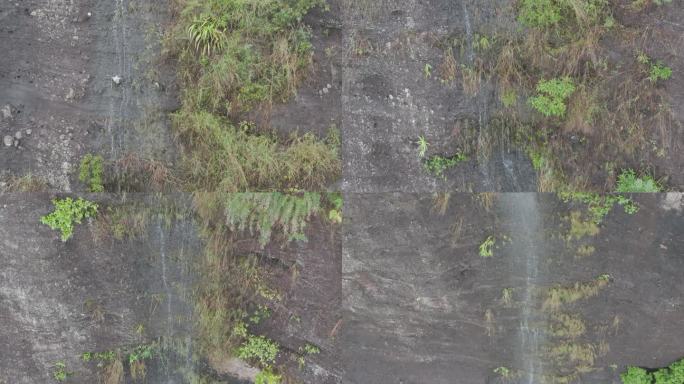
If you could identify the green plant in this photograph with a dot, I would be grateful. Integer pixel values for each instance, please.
(629, 182)
(335, 213)
(260, 349)
(635, 375)
(60, 372)
(539, 13)
(509, 98)
(436, 165)
(310, 349)
(487, 247)
(136, 360)
(427, 71)
(261, 212)
(503, 372)
(673, 374)
(422, 146)
(207, 33)
(90, 172)
(552, 97)
(659, 72)
(267, 377)
(86, 356)
(66, 213)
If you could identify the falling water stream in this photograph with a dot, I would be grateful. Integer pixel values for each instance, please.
(521, 210)
(165, 285)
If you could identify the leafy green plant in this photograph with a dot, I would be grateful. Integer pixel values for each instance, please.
(552, 97)
(487, 247)
(66, 213)
(86, 356)
(422, 146)
(310, 349)
(260, 349)
(436, 165)
(659, 72)
(90, 172)
(267, 377)
(60, 372)
(207, 33)
(539, 13)
(635, 375)
(629, 182)
(335, 213)
(427, 71)
(503, 372)
(261, 212)
(673, 374)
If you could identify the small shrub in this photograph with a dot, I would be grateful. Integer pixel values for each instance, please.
(267, 377)
(335, 214)
(659, 72)
(629, 182)
(66, 213)
(260, 349)
(539, 13)
(552, 97)
(59, 371)
(436, 165)
(91, 171)
(635, 375)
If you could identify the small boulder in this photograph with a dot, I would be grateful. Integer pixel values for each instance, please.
(116, 79)
(8, 140)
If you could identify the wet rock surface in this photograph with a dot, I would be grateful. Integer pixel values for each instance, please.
(419, 301)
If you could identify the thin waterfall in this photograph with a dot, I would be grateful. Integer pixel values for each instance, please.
(522, 211)
(165, 285)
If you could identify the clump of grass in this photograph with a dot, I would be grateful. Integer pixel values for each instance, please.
(567, 326)
(552, 97)
(68, 212)
(559, 295)
(224, 157)
(27, 183)
(568, 352)
(629, 182)
(580, 228)
(250, 51)
(90, 172)
(422, 146)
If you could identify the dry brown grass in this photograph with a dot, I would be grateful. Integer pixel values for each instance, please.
(113, 372)
(448, 69)
(440, 202)
(558, 296)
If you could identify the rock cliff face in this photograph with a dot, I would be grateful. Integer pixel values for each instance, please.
(421, 303)
(404, 290)
(63, 299)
